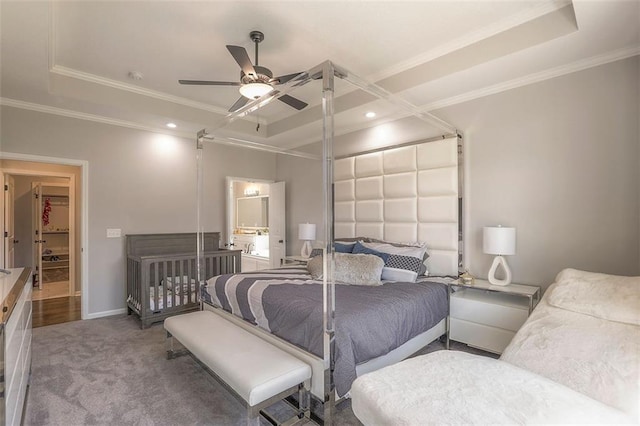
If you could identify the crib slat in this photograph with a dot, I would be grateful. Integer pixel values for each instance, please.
(147, 274)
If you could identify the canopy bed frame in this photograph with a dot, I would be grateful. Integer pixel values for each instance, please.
(408, 192)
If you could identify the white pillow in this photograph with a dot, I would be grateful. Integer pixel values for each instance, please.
(417, 251)
(610, 297)
(395, 274)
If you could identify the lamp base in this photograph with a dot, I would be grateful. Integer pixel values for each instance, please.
(499, 260)
(306, 249)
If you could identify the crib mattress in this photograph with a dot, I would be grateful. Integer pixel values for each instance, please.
(172, 299)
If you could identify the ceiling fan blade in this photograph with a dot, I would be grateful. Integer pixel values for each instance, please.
(284, 78)
(209, 83)
(241, 56)
(239, 104)
(291, 101)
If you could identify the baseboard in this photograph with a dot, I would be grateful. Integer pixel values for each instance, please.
(105, 313)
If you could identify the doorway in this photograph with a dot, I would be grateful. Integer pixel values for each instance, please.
(52, 218)
(47, 217)
(256, 221)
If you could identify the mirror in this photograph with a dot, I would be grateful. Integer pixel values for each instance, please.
(252, 212)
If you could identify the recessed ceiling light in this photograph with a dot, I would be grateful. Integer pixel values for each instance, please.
(370, 114)
(171, 125)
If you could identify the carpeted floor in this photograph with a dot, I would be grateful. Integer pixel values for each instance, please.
(108, 371)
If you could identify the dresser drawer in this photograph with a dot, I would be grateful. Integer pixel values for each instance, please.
(480, 336)
(492, 309)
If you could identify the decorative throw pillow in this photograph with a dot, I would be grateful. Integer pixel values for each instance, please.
(343, 248)
(360, 248)
(418, 251)
(316, 252)
(315, 266)
(401, 268)
(350, 269)
(396, 267)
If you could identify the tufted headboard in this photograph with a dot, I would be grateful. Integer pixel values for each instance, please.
(406, 194)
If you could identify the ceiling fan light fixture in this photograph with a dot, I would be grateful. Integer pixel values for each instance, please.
(255, 90)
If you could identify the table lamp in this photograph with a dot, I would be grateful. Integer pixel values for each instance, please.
(501, 241)
(306, 233)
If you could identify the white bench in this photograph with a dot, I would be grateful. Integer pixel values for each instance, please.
(256, 372)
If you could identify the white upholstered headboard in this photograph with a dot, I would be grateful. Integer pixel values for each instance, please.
(407, 194)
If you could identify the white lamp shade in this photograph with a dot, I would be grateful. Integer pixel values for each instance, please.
(307, 231)
(499, 240)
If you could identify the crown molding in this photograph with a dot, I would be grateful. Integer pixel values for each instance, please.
(92, 78)
(14, 103)
(471, 38)
(515, 83)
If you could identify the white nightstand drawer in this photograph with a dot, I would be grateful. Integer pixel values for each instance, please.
(492, 309)
(478, 335)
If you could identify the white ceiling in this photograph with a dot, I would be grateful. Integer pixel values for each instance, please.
(74, 57)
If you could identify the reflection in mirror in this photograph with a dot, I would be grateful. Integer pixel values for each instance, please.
(252, 212)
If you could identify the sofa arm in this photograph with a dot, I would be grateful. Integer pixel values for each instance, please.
(452, 387)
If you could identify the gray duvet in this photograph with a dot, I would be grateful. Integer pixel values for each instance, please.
(369, 321)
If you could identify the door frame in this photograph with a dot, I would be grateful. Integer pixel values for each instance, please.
(8, 193)
(84, 207)
(231, 207)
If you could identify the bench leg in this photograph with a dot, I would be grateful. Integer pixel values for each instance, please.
(252, 418)
(304, 402)
(168, 343)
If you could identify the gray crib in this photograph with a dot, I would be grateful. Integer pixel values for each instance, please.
(162, 272)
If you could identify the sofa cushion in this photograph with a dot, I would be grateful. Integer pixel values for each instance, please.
(609, 297)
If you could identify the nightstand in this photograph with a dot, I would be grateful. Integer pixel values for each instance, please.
(487, 316)
(296, 260)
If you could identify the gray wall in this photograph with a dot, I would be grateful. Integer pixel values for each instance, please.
(139, 181)
(559, 161)
(303, 198)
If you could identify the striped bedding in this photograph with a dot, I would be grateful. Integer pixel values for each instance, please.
(369, 321)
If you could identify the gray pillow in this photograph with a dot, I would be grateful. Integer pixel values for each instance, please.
(351, 269)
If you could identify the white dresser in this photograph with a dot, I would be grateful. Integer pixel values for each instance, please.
(488, 316)
(15, 353)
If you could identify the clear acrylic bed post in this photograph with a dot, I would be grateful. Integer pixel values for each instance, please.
(328, 282)
(199, 198)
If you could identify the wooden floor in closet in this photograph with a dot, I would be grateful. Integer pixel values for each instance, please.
(56, 311)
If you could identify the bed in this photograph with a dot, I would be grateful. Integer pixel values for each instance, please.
(398, 179)
(375, 325)
(162, 273)
(575, 360)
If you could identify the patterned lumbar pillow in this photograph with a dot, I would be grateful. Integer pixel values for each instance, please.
(396, 267)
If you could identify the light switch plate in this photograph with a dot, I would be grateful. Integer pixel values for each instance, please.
(114, 233)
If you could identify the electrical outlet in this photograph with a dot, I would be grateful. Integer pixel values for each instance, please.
(114, 233)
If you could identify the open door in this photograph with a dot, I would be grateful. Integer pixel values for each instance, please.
(9, 222)
(277, 224)
(37, 233)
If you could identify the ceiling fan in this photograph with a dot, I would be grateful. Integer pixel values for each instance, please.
(255, 81)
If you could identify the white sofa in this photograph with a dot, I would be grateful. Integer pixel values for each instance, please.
(575, 360)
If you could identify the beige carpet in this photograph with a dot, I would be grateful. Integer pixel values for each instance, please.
(108, 371)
